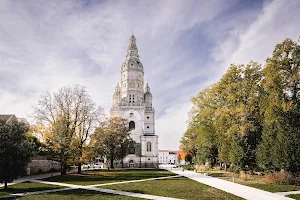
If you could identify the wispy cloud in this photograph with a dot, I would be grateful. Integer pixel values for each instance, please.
(184, 46)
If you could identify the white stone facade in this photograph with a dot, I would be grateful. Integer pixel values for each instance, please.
(168, 157)
(133, 102)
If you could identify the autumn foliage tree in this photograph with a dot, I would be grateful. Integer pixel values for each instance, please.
(70, 116)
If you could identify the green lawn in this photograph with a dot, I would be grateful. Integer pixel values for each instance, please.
(27, 187)
(76, 194)
(105, 176)
(294, 196)
(179, 187)
(274, 187)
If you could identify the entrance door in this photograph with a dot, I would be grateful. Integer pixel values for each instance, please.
(131, 164)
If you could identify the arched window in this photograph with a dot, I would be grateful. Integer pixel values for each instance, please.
(148, 146)
(131, 115)
(131, 125)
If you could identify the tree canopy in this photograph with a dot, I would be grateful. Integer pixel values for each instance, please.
(112, 139)
(68, 116)
(250, 118)
(15, 150)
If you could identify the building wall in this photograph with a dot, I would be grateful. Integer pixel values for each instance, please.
(167, 157)
(37, 166)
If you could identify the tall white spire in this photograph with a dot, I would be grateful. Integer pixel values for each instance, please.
(132, 50)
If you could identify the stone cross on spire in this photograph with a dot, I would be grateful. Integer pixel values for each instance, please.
(132, 50)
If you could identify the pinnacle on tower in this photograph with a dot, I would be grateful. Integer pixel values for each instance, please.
(147, 88)
(132, 50)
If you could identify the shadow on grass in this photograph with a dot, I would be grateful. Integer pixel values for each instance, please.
(107, 176)
(26, 187)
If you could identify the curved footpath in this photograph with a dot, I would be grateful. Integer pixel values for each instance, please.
(230, 187)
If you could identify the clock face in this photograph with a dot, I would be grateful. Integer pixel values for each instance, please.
(131, 84)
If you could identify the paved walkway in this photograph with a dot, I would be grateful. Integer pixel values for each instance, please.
(94, 188)
(230, 187)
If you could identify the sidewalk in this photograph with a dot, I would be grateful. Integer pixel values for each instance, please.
(230, 187)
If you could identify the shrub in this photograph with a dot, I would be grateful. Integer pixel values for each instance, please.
(281, 178)
(244, 176)
(234, 169)
(53, 170)
(40, 171)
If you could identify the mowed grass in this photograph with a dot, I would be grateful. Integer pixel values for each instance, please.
(294, 196)
(105, 176)
(179, 187)
(274, 187)
(27, 187)
(76, 194)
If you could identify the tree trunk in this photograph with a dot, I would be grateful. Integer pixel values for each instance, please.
(111, 162)
(79, 168)
(63, 169)
(5, 185)
(79, 163)
(122, 163)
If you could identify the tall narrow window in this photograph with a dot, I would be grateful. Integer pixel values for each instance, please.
(131, 125)
(133, 98)
(148, 146)
(131, 115)
(130, 98)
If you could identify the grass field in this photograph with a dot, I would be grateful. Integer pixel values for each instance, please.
(274, 187)
(180, 187)
(76, 194)
(27, 187)
(104, 176)
(294, 196)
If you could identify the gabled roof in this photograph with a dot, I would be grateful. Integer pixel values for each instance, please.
(8, 118)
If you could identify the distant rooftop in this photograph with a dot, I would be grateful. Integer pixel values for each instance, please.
(167, 150)
(8, 118)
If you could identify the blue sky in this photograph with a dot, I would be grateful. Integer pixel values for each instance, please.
(184, 46)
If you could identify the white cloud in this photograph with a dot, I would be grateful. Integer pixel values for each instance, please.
(278, 20)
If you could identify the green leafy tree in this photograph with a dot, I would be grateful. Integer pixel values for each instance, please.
(15, 150)
(112, 139)
(280, 148)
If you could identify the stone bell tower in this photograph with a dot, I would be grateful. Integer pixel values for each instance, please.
(134, 102)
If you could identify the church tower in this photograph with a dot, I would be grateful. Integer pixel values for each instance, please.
(133, 101)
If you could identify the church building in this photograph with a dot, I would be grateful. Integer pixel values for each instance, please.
(133, 101)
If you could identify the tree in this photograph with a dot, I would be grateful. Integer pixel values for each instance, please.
(15, 150)
(280, 148)
(189, 158)
(225, 120)
(71, 116)
(112, 139)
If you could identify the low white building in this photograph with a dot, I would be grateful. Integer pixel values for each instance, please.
(168, 157)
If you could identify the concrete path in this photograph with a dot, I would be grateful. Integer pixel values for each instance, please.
(230, 187)
(94, 188)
